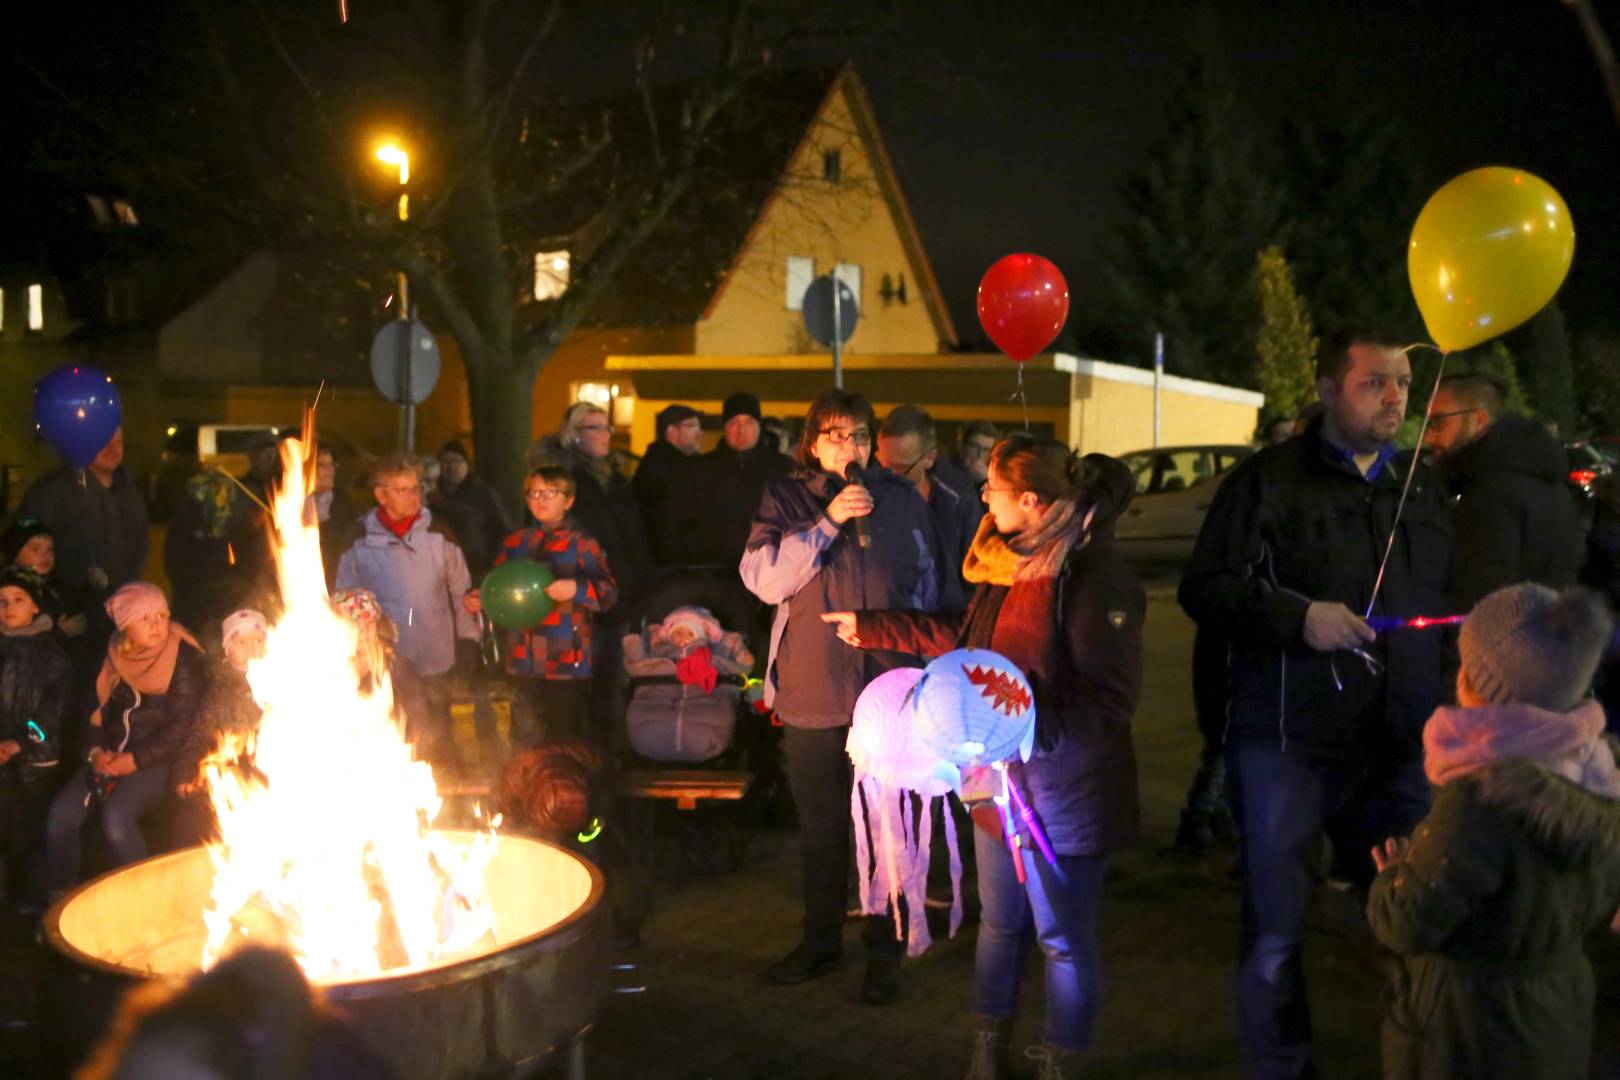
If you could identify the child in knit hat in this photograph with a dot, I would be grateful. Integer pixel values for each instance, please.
(1487, 905)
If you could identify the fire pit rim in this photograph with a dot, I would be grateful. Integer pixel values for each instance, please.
(564, 930)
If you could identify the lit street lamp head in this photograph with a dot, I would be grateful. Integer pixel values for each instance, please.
(390, 154)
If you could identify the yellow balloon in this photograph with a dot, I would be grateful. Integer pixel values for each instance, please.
(1488, 251)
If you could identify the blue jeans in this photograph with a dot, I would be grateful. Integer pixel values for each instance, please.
(120, 820)
(1284, 801)
(1059, 904)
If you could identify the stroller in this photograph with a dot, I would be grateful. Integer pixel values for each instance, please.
(687, 722)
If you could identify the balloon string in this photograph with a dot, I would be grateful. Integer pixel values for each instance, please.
(1417, 454)
(1018, 396)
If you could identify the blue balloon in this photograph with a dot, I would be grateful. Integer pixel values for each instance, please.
(77, 408)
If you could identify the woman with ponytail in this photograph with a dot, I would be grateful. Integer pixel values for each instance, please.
(1053, 597)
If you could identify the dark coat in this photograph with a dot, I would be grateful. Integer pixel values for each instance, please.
(1082, 779)
(228, 706)
(35, 685)
(95, 526)
(664, 484)
(152, 727)
(1513, 515)
(1486, 915)
(800, 561)
(957, 509)
(479, 519)
(1293, 524)
(727, 492)
(606, 508)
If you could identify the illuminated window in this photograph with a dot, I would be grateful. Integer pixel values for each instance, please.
(801, 271)
(850, 274)
(98, 209)
(550, 274)
(125, 213)
(618, 400)
(36, 307)
(2, 311)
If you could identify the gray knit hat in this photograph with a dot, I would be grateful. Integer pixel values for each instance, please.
(1530, 645)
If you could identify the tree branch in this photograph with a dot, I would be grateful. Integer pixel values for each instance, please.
(339, 152)
(428, 277)
(1603, 52)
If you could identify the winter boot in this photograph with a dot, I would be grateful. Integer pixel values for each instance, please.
(991, 1036)
(1054, 1062)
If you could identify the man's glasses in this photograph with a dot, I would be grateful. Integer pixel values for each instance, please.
(840, 437)
(544, 495)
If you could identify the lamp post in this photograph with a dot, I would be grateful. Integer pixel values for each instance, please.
(391, 153)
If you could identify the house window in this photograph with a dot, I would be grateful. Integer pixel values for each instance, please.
(801, 271)
(36, 308)
(125, 213)
(619, 401)
(850, 274)
(551, 274)
(832, 166)
(98, 209)
(2, 311)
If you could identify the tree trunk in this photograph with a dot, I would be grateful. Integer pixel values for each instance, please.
(500, 390)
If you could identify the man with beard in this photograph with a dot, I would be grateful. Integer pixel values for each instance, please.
(1325, 716)
(1513, 516)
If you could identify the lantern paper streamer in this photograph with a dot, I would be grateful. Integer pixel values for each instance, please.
(892, 767)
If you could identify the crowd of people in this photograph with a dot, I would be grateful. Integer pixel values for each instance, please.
(1462, 779)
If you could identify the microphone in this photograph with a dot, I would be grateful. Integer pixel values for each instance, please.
(854, 474)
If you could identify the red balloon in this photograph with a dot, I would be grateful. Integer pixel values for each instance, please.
(1023, 304)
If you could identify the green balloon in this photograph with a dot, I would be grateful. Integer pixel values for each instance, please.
(514, 594)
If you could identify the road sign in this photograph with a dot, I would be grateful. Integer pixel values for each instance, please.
(389, 355)
(822, 318)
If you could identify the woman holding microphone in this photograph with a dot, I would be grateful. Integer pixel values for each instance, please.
(836, 534)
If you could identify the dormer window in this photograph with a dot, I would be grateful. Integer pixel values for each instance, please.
(551, 271)
(98, 209)
(36, 308)
(125, 213)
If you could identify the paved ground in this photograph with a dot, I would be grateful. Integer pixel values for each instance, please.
(695, 1004)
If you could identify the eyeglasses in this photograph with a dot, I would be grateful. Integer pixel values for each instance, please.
(840, 437)
(544, 494)
(594, 427)
(398, 489)
(1448, 415)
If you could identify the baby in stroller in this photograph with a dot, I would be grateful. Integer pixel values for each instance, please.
(686, 679)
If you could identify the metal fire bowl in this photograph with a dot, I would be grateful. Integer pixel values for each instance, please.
(513, 1006)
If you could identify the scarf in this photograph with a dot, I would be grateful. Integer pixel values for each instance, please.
(394, 525)
(1036, 553)
(146, 670)
(1457, 742)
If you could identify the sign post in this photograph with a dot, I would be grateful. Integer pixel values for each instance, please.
(830, 314)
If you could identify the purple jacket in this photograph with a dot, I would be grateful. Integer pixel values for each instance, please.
(800, 561)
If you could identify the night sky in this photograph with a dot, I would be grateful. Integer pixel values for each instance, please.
(1012, 124)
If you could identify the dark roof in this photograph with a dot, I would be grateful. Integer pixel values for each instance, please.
(670, 279)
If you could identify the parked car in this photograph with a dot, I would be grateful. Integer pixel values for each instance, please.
(1174, 487)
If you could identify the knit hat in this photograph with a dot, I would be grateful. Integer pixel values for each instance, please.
(742, 403)
(238, 621)
(18, 577)
(17, 535)
(1527, 644)
(698, 620)
(359, 606)
(134, 602)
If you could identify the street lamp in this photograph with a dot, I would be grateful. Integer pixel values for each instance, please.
(393, 154)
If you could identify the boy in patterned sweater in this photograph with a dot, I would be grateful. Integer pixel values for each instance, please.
(553, 659)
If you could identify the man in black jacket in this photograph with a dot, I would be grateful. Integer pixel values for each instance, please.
(1325, 716)
(1512, 513)
(730, 480)
(664, 480)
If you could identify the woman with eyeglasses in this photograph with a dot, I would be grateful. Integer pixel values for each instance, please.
(805, 555)
(1056, 599)
(553, 660)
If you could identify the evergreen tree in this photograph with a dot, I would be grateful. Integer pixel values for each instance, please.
(1353, 193)
(1195, 215)
(1549, 369)
(1597, 360)
(1286, 343)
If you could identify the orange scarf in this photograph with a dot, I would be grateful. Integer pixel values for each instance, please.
(146, 670)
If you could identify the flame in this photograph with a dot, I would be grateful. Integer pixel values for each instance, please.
(325, 846)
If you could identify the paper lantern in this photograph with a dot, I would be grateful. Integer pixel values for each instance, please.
(974, 707)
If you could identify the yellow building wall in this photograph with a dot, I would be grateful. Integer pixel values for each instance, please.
(1112, 417)
(848, 222)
